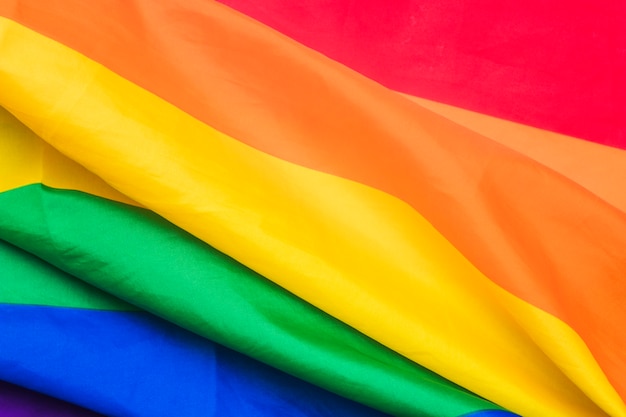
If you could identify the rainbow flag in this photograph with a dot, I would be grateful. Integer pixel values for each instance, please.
(313, 208)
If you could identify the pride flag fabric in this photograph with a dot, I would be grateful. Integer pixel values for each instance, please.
(80, 345)
(218, 299)
(343, 192)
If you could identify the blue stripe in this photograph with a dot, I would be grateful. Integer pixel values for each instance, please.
(491, 413)
(134, 364)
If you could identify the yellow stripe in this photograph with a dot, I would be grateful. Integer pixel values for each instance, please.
(26, 159)
(21, 153)
(568, 351)
(357, 253)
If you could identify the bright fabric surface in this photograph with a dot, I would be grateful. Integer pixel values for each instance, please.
(219, 299)
(111, 360)
(243, 306)
(553, 65)
(488, 252)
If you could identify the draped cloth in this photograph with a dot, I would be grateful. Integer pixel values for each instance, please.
(313, 208)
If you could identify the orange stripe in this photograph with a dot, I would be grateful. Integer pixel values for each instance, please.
(510, 216)
(598, 168)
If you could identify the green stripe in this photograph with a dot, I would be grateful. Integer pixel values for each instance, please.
(27, 279)
(138, 256)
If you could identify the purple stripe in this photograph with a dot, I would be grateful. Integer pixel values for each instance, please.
(19, 402)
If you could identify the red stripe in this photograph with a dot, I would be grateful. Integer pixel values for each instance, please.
(554, 65)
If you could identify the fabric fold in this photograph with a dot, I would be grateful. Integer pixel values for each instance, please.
(137, 256)
(74, 342)
(462, 254)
